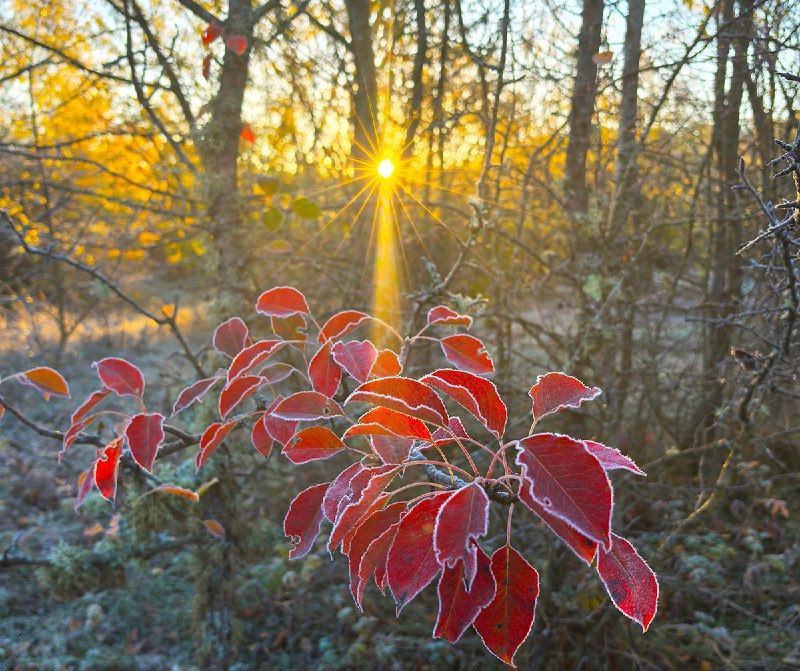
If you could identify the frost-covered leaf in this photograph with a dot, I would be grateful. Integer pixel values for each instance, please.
(506, 622)
(584, 547)
(106, 469)
(341, 324)
(194, 392)
(404, 395)
(47, 380)
(236, 391)
(467, 353)
(411, 563)
(568, 481)
(387, 364)
(630, 582)
(387, 422)
(463, 517)
(475, 394)
(555, 391)
(324, 372)
(458, 607)
(441, 314)
(282, 302)
(145, 433)
(356, 357)
(252, 356)
(231, 337)
(311, 444)
(306, 406)
(302, 522)
(120, 376)
(611, 458)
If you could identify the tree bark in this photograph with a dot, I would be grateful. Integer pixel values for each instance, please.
(584, 92)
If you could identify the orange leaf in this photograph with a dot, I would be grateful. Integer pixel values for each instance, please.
(247, 134)
(93, 530)
(215, 528)
(46, 380)
(170, 488)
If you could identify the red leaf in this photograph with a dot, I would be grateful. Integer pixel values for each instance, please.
(302, 522)
(247, 133)
(352, 511)
(211, 33)
(293, 327)
(306, 406)
(85, 482)
(48, 381)
(106, 469)
(324, 372)
(464, 516)
(194, 392)
(391, 449)
(454, 430)
(236, 391)
(585, 548)
(311, 444)
(506, 622)
(374, 561)
(237, 44)
(356, 357)
(120, 376)
(338, 490)
(412, 564)
(252, 356)
(231, 337)
(458, 607)
(78, 423)
(211, 440)
(261, 438)
(387, 364)
(341, 324)
(282, 302)
(568, 481)
(277, 372)
(145, 433)
(281, 430)
(611, 458)
(476, 394)
(371, 527)
(386, 422)
(404, 395)
(630, 582)
(206, 69)
(467, 353)
(555, 391)
(444, 315)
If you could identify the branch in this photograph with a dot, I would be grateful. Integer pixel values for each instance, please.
(163, 320)
(199, 11)
(48, 433)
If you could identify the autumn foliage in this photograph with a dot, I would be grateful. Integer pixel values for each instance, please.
(413, 500)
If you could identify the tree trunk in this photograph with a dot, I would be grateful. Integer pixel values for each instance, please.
(584, 91)
(365, 96)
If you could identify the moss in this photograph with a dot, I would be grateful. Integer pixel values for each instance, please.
(75, 571)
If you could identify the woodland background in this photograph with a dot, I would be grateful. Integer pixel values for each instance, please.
(571, 178)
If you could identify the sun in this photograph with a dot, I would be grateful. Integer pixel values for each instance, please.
(385, 168)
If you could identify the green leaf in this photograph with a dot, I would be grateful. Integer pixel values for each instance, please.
(272, 217)
(306, 209)
(268, 186)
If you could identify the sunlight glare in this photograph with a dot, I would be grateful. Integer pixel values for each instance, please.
(385, 168)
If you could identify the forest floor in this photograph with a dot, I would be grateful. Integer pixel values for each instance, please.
(730, 583)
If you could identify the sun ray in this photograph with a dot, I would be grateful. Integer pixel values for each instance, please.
(325, 225)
